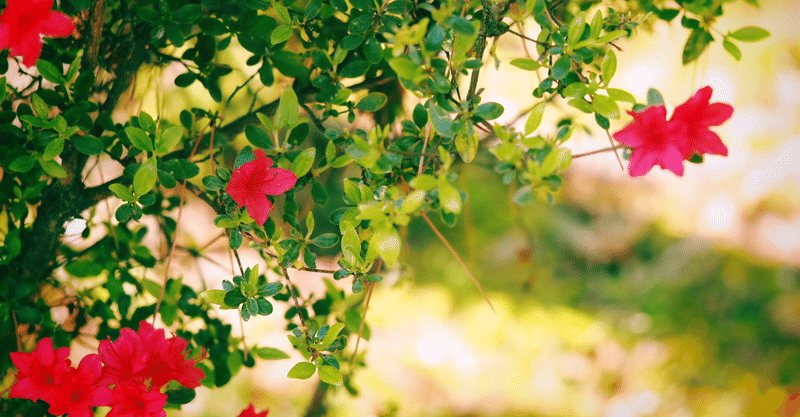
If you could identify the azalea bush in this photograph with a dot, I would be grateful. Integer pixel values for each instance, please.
(377, 106)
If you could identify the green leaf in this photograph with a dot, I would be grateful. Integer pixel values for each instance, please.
(180, 396)
(258, 137)
(441, 120)
(146, 122)
(3, 87)
(621, 95)
(28, 315)
(280, 34)
(525, 64)
(269, 353)
(282, 12)
(50, 72)
(750, 34)
(449, 198)
(413, 201)
(467, 145)
(372, 102)
(387, 242)
(535, 118)
(355, 69)
(53, 169)
(303, 162)
(562, 67)
(695, 45)
(608, 37)
(139, 138)
(404, 68)
(87, 144)
(22, 163)
(596, 25)
(732, 49)
(654, 97)
(213, 183)
(326, 240)
(122, 192)
(576, 28)
(330, 375)
(605, 106)
(373, 51)
(145, 178)
(288, 108)
(41, 108)
(186, 79)
(423, 182)
(303, 370)
(167, 139)
(524, 196)
(351, 244)
(188, 13)
(258, 4)
(53, 149)
(609, 66)
(489, 111)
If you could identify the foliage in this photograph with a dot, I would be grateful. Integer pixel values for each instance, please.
(364, 167)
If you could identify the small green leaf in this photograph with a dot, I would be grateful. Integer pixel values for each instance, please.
(50, 72)
(180, 396)
(413, 201)
(280, 34)
(167, 139)
(303, 162)
(288, 108)
(750, 34)
(525, 64)
(146, 122)
(524, 196)
(269, 289)
(53, 169)
(609, 66)
(387, 242)
(695, 45)
(145, 178)
(535, 118)
(441, 120)
(605, 106)
(449, 198)
(87, 144)
(53, 149)
(621, 95)
(576, 28)
(22, 163)
(372, 102)
(330, 375)
(122, 192)
(326, 240)
(562, 67)
(258, 137)
(41, 108)
(269, 353)
(213, 183)
(139, 138)
(654, 97)
(373, 51)
(282, 12)
(303, 370)
(467, 145)
(732, 49)
(489, 111)
(608, 37)
(28, 315)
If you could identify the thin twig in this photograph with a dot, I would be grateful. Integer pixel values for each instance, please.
(296, 302)
(458, 258)
(580, 155)
(424, 147)
(611, 141)
(361, 326)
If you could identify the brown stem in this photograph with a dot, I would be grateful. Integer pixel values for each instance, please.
(581, 155)
(458, 258)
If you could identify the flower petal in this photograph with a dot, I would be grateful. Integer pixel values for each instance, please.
(258, 207)
(56, 25)
(281, 181)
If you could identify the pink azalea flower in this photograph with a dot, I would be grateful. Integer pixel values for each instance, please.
(148, 357)
(253, 181)
(698, 115)
(80, 390)
(24, 22)
(654, 140)
(133, 399)
(251, 412)
(40, 371)
(657, 141)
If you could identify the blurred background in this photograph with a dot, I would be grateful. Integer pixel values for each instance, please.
(651, 296)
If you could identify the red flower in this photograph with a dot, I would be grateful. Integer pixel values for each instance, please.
(253, 181)
(656, 141)
(40, 372)
(80, 390)
(24, 22)
(133, 399)
(148, 357)
(251, 412)
(698, 115)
